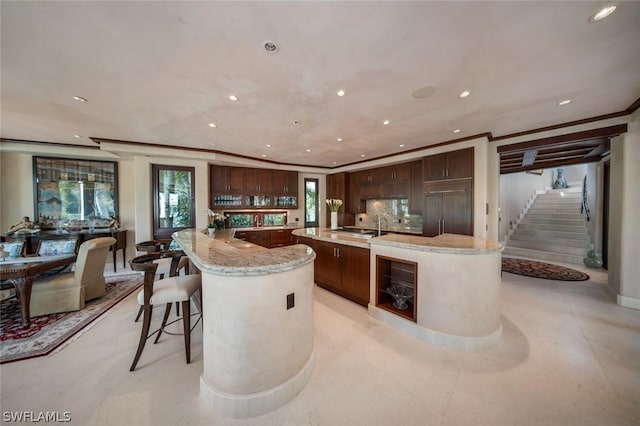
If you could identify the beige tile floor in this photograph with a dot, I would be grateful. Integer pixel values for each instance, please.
(568, 356)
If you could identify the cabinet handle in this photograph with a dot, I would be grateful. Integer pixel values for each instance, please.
(338, 251)
(443, 226)
(439, 220)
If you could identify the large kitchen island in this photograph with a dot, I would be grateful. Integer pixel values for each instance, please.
(258, 344)
(443, 290)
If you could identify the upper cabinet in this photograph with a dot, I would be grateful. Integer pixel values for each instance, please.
(450, 165)
(227, 180)
(239, 187)
(338, 188)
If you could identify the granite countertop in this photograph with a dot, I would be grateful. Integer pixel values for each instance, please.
(225, 255)
(446, 243)
(326, 234)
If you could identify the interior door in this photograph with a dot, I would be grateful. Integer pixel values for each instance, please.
(173, 199)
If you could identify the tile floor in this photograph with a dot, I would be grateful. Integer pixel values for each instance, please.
(568, 356)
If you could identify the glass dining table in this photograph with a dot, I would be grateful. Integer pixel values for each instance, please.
(21, 272)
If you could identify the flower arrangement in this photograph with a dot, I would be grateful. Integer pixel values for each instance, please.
(334, 204)
(213, 217)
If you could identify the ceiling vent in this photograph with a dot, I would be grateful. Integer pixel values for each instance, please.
(270, 47)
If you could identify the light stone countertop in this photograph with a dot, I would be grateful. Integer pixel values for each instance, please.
(326, 234)
(225, 255)
(446, 243)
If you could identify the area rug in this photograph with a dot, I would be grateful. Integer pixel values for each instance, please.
(547, 271)
(49, 332)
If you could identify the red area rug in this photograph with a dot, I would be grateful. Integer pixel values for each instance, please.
(49, 332)
(547, 271)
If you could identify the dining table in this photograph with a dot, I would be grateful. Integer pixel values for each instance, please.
(21, 272)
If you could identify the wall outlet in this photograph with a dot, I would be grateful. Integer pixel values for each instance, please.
(291, 300)
(360, 219)
(297, 219)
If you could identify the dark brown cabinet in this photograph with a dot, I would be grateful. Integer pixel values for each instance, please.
(285, 183)
(269, 238)
(449, 165)
(338, 188)
(343, 269)
(227, 180)
(258, 182)
(448, 209)
(280, 238)
(239, 187)
(415, 190)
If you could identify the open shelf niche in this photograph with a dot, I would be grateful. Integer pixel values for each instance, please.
(389, 272)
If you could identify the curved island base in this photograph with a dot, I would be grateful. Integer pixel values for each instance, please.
(457, 289)
(258, 350)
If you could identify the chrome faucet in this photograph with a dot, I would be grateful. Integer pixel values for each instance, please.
(380, 218)
(256, 220)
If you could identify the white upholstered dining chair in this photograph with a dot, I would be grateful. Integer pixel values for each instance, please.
(68, 291)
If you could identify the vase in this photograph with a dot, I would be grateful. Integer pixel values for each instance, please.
(211, 231)
(334, 220)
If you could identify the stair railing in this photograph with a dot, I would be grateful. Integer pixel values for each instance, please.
(584, 209)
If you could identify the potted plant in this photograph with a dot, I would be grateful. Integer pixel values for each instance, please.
(334, 205)
(212, 218)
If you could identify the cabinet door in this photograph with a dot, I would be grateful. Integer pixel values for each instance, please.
(432, 214)
(280, 237)
(291, 184)
(433, 167)
(355, 272)
(457, 213)
(327, 265)
(235, 179)
(355, 205)
(460, 164)
(219, 179)
(258, 181)
(415, 190)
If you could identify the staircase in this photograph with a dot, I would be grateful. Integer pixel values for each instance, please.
(552, 228)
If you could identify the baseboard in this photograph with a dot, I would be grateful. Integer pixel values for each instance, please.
(625, 301)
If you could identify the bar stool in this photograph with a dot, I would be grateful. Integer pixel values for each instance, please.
(173, 289)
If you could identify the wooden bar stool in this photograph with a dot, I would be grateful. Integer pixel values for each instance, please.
(173, 289)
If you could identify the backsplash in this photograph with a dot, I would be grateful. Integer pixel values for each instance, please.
(395, 216)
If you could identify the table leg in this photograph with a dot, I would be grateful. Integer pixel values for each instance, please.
(23, 291)
(114, 250)
(124, 256)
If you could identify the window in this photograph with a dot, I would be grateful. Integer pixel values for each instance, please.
(74, 191)
(311, 203)
(173, 199)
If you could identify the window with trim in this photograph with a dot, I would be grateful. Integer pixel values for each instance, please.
(311, 211)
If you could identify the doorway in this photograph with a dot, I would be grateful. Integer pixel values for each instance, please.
(173, 199)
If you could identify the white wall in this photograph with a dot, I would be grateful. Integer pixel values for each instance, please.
(516, 190)
(624, 223)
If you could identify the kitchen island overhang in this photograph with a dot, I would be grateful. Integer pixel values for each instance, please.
(258, 354)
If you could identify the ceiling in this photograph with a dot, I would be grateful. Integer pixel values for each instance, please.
(160, 72)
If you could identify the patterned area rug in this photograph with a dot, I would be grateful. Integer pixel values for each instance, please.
(547, 271)
(49, 332)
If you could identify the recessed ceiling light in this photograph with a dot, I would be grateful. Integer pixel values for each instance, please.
(264, 155)
(308, 150)
(212, 125)
(335, 162)
(362, 155)
(268, 145)
(233, 98)
(465, 94)
(270, 46)
(386, 122)
(296, 122)
(401, 145)
(566, 101)
(212, 145)
(603, 13)
(79, 98)
(341, 92)
(456, 131)
(339, 139)
(76, 136)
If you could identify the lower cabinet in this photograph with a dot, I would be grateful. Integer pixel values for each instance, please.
(269, 238)
(343, 269)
